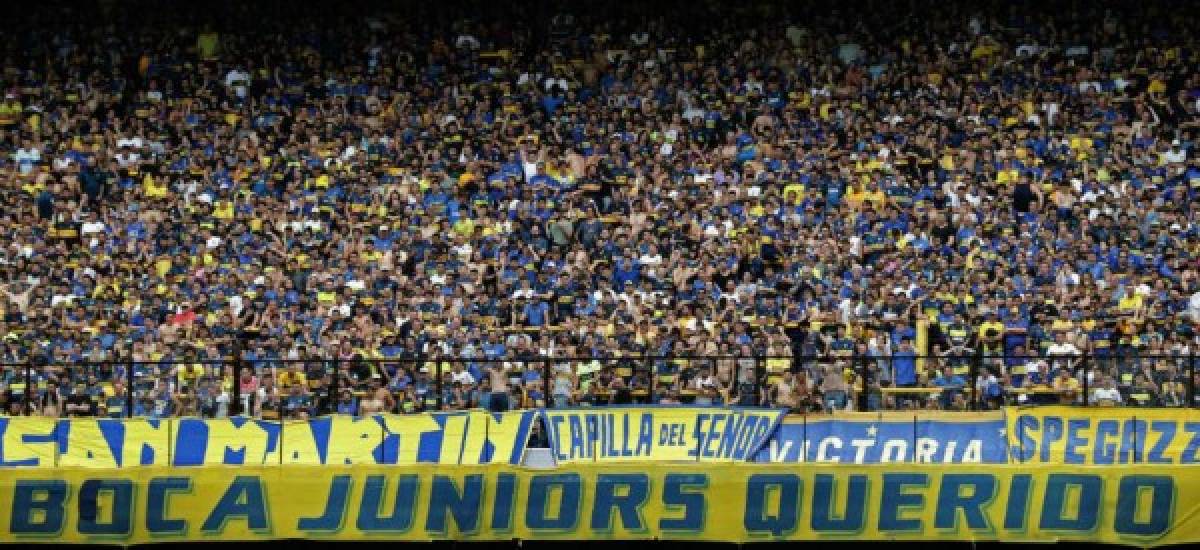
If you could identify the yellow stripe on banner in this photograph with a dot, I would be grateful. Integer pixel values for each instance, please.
(739, 503)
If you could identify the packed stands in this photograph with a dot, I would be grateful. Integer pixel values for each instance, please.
(406, 207)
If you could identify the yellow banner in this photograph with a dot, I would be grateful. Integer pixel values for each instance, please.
(468, 437)
(1103, 436)
(717, 502)
(659, 434)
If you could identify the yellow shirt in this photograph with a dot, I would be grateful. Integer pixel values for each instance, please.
(287, 378)
(855, 199)
(465, 227)
(189, 372)
(223, 210)
(1130, 302)
(207, 44)
(796, 188)
(997, 326)
(152, 189)
(1061, 324)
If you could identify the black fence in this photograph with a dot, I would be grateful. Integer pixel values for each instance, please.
(275, 388)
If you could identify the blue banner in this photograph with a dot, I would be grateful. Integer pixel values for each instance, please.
(873, 439)
(661, 434)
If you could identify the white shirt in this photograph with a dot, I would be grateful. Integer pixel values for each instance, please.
(1062, 350)
(463, 378)
(463, 251)
(651, 262)
(1174, 156)
(127, 159)
(1065, 348)
(235, 304)
(466, 41)
(1194, 305)
(91, 227)
(135, 142)
(1110, 394)
(26, 158)
(60, 298)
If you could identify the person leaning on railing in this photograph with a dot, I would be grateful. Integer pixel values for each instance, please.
(1107, 395)
(835, 391)
(1066, 386)
(1144, 393)
(952, 385)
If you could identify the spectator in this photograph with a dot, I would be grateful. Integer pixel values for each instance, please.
(835, 393)
(1067, 387)
(1107, 394)
(346, 404)
(79, 403)
(433, 193)
(952, 385)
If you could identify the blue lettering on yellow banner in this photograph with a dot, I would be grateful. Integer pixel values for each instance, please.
(1075, 436)
(751, 502)
(474, 437)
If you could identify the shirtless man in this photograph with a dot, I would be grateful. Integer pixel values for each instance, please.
(785, 392)
(498, 399)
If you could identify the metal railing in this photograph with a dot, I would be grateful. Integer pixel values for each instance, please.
(316, 386)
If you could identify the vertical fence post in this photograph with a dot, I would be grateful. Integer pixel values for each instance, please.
(437, 383)
(652, 399)
(1084, 368)
(334, 379)
(735, 388)
(129, 380)
(28, 385)
(546, 372)
(973, 379)
(235, 402)
(1191, 379)
(863, 371)
(759, 371)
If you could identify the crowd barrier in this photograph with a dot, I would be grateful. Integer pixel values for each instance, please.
(732, 502)
(1046, 435)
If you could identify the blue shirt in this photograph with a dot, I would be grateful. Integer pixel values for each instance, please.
(904, 365)
(535, 313)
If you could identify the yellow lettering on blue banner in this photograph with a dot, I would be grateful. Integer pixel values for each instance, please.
(734, 502)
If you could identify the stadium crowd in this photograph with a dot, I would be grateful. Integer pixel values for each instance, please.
(754, 205)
